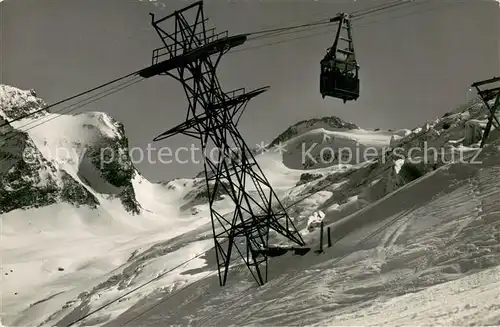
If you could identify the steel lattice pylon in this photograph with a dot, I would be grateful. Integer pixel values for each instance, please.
(191, 55)
(487, 95)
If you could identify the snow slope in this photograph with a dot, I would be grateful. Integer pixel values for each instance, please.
(427, 253)
(400, 224)
(57, 250)
(57, 247)
(402, 229)
(320, 148)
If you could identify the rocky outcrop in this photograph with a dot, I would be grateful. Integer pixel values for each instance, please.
(29, 178)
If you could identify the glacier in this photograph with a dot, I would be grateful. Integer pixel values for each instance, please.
(416, 240)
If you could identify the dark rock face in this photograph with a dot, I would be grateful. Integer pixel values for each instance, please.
(111, 158)
(28, 179)
(308, 177)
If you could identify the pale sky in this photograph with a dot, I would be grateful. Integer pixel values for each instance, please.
(417, 62)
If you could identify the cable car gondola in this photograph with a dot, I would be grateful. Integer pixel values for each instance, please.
(339, 69)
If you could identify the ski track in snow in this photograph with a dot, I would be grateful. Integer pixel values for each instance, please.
(386, 266)
(424, 253)
(399, 273)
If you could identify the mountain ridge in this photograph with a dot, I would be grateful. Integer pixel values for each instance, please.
(306, 125)
(122, 251)
(27, 155)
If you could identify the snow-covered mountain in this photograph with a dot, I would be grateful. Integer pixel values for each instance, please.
(86, 232)
(311, 124)
(78, 159)
(70, 194)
